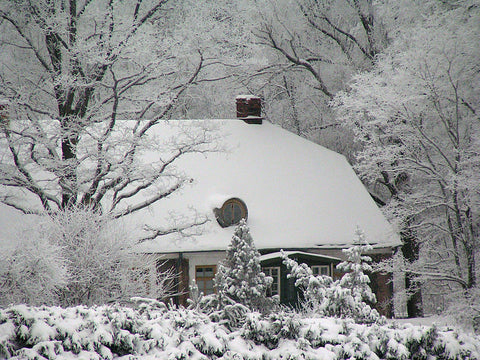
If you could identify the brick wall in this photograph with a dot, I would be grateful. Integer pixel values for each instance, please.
(382, 286)
(248, 106)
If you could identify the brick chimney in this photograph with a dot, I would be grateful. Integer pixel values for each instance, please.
(249, 109)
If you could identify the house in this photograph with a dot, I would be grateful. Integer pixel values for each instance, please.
(296, 195)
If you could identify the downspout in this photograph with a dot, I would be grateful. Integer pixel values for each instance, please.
(178, 270)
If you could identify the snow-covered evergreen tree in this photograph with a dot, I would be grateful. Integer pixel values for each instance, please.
(239, 278)
(355, 267)
(344, 298)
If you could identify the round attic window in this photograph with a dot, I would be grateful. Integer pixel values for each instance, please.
(232, 211)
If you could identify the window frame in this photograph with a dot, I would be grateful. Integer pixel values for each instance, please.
(319, 267)
(278, 287)
(205, 278)
(220, 213)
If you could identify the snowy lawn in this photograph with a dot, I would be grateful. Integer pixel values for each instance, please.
(428, 320)
(152, 331)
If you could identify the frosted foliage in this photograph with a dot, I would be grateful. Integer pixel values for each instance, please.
(466, 310)
(344, 298)
(355, 267)
(416, 117)
(72, 73)
(77, 256)
(32, 270)
(240, 277)
(101, 261)
(195, 296)
(311, 50)
(152, 331)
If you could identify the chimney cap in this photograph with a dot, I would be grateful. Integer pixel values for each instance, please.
(247, 97)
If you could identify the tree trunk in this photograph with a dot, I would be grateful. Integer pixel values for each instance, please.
(410, 250)
(68, 179)
(470, 248)
(471, 271)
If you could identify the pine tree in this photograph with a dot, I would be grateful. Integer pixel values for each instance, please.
(344, 298)
(240, 278)
(355, 267)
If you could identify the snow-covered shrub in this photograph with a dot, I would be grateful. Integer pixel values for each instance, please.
(270, 329)
(149, 307)
(151, 330)
(240, 278)
(465, 309)
(32, 271)
(315, 289)
(195, 297)
(228, 312)
(344, 298)
(77, 256)
(100, 257)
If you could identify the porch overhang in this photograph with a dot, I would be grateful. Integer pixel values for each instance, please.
(278, 255)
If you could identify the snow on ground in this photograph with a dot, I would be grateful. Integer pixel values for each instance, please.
(428, 321)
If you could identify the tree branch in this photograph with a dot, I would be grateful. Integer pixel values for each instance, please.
(42, 61)
(148, 202)
(179, 229)
(271, 42)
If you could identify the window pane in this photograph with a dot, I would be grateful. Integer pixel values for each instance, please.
(204, 277)
(237, 213)
(201, 285)
(321, 270)
(208, 272)
(273, 272)
(209, 285)
(228, 214)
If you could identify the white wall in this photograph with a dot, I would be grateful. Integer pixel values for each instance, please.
(202, 258)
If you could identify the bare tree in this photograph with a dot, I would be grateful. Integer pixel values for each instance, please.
(321, 38)
(312, 50)
(416, 115)
(73, 72)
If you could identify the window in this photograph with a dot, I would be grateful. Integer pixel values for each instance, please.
(232, 211)
(321, 270)
(273, 272)
(204, 275)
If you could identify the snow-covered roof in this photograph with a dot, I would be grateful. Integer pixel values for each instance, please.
(298, 194)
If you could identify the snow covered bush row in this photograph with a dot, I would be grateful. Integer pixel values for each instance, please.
(151, 330)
